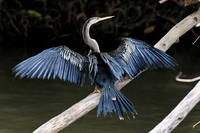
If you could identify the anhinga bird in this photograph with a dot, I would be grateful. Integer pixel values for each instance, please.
(129, 59)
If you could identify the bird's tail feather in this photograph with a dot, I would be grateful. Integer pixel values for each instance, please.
(112, 100)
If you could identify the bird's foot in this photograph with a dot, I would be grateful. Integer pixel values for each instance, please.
(97, 90)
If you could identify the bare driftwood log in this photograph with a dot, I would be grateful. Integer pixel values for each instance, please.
(90, 102)
(180, 112)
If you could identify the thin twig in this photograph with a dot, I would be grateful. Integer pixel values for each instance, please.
(186, 80)
(162, 1)
(196, 40)
(196, 124)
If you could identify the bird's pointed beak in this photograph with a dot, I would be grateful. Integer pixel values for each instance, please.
(104, 18)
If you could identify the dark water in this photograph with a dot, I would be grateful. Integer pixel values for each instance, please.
(25, 104)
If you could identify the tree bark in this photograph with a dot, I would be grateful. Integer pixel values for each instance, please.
(90, 102)
(180, 112)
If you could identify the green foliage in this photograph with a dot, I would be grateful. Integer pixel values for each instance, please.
(59, 21)
(34, 13)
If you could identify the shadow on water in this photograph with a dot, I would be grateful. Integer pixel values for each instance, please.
(25, 104)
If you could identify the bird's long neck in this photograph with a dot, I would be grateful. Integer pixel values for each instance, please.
(92, 43)
(86, 32)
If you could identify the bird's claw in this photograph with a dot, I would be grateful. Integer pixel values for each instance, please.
(97, 90)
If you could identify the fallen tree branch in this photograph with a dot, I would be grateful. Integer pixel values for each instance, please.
(178, 30)
(90, 102)
(180, 112)
(186, 80)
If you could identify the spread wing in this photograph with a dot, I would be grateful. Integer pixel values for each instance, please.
(134, 56)
(54, 62)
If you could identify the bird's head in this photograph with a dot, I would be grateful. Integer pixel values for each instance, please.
(92, 43)
(94, 20)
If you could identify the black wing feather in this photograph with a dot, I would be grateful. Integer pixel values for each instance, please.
(134, 56)
(54, 62)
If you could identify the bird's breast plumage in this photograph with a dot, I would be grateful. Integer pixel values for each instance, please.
(104, 75)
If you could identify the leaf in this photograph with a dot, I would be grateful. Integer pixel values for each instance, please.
(149, 29)
(34, 13)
